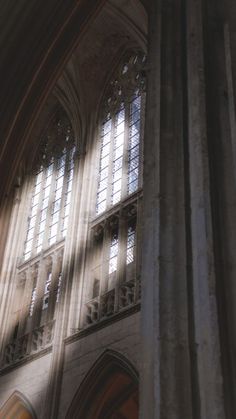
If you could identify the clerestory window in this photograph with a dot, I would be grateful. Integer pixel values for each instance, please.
(51, 195)
(120, 150)
(48, 191)
(116, 224)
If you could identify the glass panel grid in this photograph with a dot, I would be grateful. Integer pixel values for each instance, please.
(35, 202)
(49, 190)
(32, 302)
(59, 287)
(130, 245)
(104, 167)
(113, 256)
(119, 158)
(134, 148)
(117, 163)
(68, 195)
(47, 291)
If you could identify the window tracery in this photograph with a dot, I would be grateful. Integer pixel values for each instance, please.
(119, 194)
(51, 197)
(39, 273)
(120, 154)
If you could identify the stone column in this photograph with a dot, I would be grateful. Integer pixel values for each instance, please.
(205, 352)
(165, 389)
(221, 130)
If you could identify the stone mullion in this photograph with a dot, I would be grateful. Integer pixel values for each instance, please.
(105, 258)
(42, 276)
(121, 258)
(110, 167)
(138, 253)
(92, 261)
(39, 207)
(56, 269)
(16, 314)
(45, 243)
(63, 197)
(24, 315)
(208, 392)
(75, 243)
(141, 138)
(124, 180)
(25, 206)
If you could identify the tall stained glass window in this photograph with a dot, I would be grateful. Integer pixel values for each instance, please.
(116, 222)
(51, 196)
(120, 148)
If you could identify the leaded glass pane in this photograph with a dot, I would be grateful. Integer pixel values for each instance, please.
(32, 302)
(67, 210)
(116, 198)
(130, 245)
(101, 195)
(101, 206)
(113, 254)
(120, 137)
(133, 186)
(102, 184)
(68, 198)
(32, 222)
(35, 199)
(51, 195)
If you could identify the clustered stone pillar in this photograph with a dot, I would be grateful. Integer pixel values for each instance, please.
(181, 375)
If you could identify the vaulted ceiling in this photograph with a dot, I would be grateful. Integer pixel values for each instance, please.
(35, 44)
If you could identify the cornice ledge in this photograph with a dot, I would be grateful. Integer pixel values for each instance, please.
(103, 323)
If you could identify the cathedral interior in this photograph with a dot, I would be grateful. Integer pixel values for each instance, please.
(118, 209)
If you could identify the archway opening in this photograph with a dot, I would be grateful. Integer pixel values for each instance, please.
(17, 406)
(109, 391)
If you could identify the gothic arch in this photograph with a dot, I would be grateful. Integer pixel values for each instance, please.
(109, 390)
(17, 406)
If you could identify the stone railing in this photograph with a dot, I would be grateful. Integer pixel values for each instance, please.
(127, 294)
(29, 344)
(112, 302)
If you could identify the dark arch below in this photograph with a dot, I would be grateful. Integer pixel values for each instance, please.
(17, 406)
(110, 386)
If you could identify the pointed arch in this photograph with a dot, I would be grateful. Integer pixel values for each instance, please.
(17, 406)
(109, 390)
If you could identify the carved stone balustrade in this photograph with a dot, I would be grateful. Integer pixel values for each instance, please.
(92, 307)
(108, 304)
(112, 302)
(42, 337)
(29, 344)
(16, 350)
(127, 294)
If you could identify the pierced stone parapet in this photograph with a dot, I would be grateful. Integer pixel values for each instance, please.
(42, 337)
(16, 350)
(31, 343)
(127, 294)
(108, 304)
(112, 302)
(92, 307)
